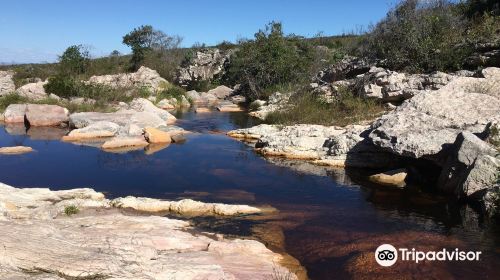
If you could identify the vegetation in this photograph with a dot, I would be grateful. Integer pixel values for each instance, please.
(145, 40)
(172, 92)
(8, 99)
(271, 59)
(305, 107)
(424, 36)
(71, 210)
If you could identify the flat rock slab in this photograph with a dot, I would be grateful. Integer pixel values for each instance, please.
(46, 115)
(102, 242)
(15, 150)
(124, 142)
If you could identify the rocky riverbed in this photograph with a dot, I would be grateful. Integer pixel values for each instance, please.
(103, 241)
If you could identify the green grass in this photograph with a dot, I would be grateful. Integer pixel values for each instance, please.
(71, 210)
(8, 99)
(172, 92)
(306, 108)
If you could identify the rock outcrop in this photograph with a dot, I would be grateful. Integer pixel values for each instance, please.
(472, 168)
(425, 124)
(277, 101)
(7, 85)
(204, 66)
(33, 91)
(144, 77)
(323, 145)
(40, 242)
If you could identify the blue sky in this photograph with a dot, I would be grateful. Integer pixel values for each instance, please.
(39, 30)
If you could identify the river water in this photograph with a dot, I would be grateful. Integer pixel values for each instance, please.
(329, 219)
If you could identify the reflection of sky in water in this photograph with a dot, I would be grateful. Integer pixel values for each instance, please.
(326, 217)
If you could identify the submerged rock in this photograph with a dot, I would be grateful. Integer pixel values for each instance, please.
(124, 142)
(390, 178)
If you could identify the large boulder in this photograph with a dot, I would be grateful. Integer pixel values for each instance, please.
(391, 86)
(144, 105)
(472, 167)
(7, 85)
(424, 125)
(221, 92)
(33, 91)
(46, 115)
(144, 77)
(96, 130)
(347, 68)
(14, 113)
(204, 66)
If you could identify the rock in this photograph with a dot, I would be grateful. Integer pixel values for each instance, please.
(55, 97)
(183, 207)
(14, 113)
(124, 142)
(205, 65)
(81, 101)
(228, 107)
(95, 130)
(193, 95)
(185, 102)
(7, 85)
(38, 239)
(425, 124)
(178, 138)
(390, 178)
(238, 99)
(322, 145)
(221, 92)
(33, 91)
(165, 105)
(15, 150)
(277, 101)
(347, 68)
(154, 135)
(391, 86)
(46, 115)
(207, 98)
(144, 105)
(472, 167)
(144, 77)
(490, 73)
(202, 110)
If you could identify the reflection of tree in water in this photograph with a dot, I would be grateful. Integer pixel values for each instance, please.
(243, 120)
(128, 160)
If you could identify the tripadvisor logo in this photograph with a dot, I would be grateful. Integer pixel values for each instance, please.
(387, 255)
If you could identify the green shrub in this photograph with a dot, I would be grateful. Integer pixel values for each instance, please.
(74, 61)
(172, 92)
(71, 210)
(9, 99)
(307, 108)
(270, 59)
(419, 36)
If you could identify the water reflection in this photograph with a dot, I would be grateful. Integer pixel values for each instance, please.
(330, 219)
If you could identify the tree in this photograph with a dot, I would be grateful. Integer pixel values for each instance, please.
(74, 61)
(144, 39)
(271, 59)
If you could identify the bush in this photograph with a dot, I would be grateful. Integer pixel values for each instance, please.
(419, 36)
(307, 108)
(71, 210)
(271, 59)
(8, 99)
(171, 92)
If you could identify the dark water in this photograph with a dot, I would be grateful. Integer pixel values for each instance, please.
(329, 219)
